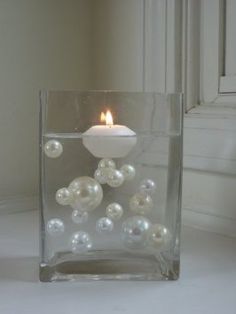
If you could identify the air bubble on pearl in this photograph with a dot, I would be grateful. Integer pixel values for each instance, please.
(64, 196)
(80, 242)
(53, 149)
(87, 193)
(141, 203)
(55, 227)
(128, 172)
(147, 186)
(159, 237)
(114, 211)
(106, 163)
(79, 217)
(115, 178)
(135, 232)
(104, 224)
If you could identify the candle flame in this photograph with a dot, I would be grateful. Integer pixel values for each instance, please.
(107, 118)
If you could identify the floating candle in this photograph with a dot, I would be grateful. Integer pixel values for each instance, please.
(109, 140)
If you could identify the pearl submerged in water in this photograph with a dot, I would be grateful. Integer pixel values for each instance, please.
(80, 242)
(55, 227)
(53, 149)
(79, 217)
(104, 224)
(159, 237)
(141, 203)
(100, 175)
(64, 196)
(87, 193)
(128, 172)
(147, 186)
(114, 211)
(135, 232)
(115, 178)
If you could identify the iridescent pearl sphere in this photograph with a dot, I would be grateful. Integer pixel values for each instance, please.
(114, 211)
(135, 232)
(141, 203)
(87, 193)
(115, 178)
(159, 237)
(107, 163)
(55, 227)
(147, 186)
(80, 242)
(100, 175)
(104, 224)
(64, 196)
(79, 217)
(53, 149)
(128, 172)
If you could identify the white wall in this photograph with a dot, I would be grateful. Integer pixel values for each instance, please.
(43, 44)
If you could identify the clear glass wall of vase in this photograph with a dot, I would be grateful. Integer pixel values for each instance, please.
(110, 185)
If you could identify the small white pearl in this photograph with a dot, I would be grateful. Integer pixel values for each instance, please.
(101, 175)
(104, 224)
(55, 227)
(115, 178)
(128, 172)
(106, 163)
(147, 186)
(64, 196)
(141, 203)
(114, 211)
(53, 149)
(159, 237)
(79, 217)
(135, 232)
(87, 193)
(80, 242)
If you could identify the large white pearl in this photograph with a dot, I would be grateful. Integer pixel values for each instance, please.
(53, 149)
(147, 186)
(87, 193)
(128, 172)
(107, 163)
(115, 178)
(64, 196)
(101, 174)
(79, 217)
(135, 232)
(104, 224)
(80, 242)
(159, 237)
(114, 211)
(55, 227)
(141, 203)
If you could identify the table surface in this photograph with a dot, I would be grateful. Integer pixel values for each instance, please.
(207, 283)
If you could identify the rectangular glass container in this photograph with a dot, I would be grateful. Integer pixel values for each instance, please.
(110, 195)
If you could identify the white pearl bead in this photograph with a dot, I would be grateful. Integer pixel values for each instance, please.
(114, 211)
(141, 203)
(64, 196)
(53, 149)
(87, 193)
(79, 217)
(55, 227)
(100, 175)
(106, 163)
(128, 172)
(104, 224)
(135, 232)
(80, 242)
(147, 186)
(159, 237)
(115, 178)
